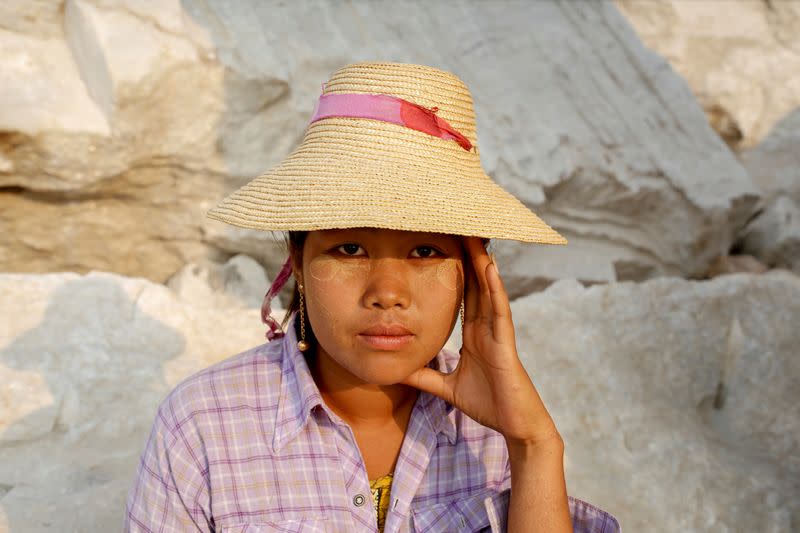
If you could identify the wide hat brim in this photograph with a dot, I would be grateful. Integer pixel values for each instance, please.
(354, 172)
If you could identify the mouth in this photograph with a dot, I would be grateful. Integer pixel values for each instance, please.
(386, 337)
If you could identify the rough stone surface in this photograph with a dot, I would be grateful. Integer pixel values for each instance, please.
(268, 248)
(740, 57)
(677, 399)
(35, 17)
(774, 236)
(596, 134)
(84, 359)
(46, 69)
(239, 282)
(731, 264)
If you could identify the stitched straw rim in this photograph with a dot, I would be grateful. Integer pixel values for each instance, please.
(353, 172)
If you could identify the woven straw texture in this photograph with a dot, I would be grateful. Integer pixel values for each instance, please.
(352, 172)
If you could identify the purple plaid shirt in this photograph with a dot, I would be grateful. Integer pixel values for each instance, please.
(248, 445)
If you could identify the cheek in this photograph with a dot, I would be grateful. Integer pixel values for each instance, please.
(331, 283)
(438, 297)
(353, 271)
(448, 274)
(324, 316)
(437, 288)
(321, 272)
(330, 269)
(445, 276)
(323, 269)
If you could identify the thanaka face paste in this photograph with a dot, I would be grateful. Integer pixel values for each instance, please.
(325, 269)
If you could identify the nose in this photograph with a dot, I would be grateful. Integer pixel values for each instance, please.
(388, 285)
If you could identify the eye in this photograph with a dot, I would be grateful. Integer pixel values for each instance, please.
(426, 251)
(349, 249)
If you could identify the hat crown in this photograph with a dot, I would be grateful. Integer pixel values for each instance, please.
(420, 84)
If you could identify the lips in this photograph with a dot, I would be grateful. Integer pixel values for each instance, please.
(386, 337)
(386, 330)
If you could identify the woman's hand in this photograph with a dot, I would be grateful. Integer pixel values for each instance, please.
(490, 384)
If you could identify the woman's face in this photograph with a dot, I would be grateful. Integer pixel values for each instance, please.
(358, 281)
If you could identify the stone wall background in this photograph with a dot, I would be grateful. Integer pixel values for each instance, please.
(659, 137)
(742, 60)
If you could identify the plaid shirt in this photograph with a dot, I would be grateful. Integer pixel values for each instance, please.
(248, 445)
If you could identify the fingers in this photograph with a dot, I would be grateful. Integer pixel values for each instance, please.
(432, 381)
(486, 297)
(478, 288)
(503, 327)
(471, 291)
(479, 258)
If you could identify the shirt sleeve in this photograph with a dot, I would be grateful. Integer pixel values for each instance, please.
(170, 482)
(586, 518)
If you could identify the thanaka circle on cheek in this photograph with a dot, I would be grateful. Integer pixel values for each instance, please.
(447, 274)
(324, 269)
(444, 274)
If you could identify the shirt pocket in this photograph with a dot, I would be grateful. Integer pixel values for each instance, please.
(483, 512)
(299, 525)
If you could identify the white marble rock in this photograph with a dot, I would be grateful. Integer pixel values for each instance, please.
(740, 57)
(774, 236)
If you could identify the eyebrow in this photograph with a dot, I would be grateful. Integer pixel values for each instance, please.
(439, 239)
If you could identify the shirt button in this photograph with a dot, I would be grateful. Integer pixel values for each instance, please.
(358, 500)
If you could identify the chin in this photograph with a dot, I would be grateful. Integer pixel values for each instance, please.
(386, 373)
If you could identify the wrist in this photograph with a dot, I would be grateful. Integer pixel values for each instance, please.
(543, 460)
(523, 449)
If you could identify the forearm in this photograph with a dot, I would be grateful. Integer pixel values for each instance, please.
(538, 489)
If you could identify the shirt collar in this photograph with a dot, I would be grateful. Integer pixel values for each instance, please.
(299, 395)
(440, 413)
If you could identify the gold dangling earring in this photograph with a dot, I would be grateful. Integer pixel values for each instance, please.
(302, 345)
(461, 313)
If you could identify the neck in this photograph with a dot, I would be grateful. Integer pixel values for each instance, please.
(357, 402)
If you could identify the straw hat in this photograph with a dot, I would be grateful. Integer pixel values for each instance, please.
(413, 165)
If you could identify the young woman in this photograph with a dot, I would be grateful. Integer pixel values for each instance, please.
(356, 418)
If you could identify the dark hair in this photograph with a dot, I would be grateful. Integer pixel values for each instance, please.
(294, 241)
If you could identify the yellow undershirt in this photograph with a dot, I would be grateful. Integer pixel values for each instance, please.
(381, 488)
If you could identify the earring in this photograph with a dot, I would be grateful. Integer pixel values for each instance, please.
(461, 313)
(302, 345)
